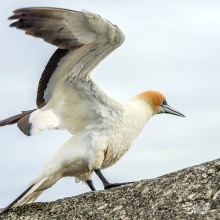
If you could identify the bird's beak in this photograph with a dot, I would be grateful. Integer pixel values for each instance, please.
(167, 109)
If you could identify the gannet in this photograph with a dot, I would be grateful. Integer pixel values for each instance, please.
(103, 129)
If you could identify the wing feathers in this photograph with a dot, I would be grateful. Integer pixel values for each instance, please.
(47, 73)
(29, 195)
(49, 24)
(24, 124)
(55, 25)
(14, 119)
(17, 199)
(84, 39)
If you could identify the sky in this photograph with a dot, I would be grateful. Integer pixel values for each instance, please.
(171, 46)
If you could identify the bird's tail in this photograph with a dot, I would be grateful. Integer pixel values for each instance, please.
(28, 196)
(21, 119)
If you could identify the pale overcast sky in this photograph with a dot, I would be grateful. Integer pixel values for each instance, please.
(171, 46)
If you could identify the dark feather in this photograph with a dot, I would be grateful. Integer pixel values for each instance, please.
(16, 200)
(14, 119)
(46, 23)
(47, 73)
(24, 125)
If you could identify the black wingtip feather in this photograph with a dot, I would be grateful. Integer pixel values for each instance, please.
(17, 16)
(15, 24)
(24, 125)
(14, 119)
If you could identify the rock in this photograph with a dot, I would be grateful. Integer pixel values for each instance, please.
(192, 193)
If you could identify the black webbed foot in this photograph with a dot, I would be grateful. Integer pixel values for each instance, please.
(112, 185)
(105, 182)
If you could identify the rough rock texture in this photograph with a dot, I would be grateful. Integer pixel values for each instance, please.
(192, 193)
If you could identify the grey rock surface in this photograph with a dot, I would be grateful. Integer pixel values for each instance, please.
(191, 193)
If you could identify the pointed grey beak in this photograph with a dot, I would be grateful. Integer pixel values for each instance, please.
(169, 110)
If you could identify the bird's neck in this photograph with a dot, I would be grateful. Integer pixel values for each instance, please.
(143, 108)
(140, 113)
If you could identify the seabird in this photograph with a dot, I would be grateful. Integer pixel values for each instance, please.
(103, 129)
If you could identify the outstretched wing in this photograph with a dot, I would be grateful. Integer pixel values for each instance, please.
(63, 28)
(84, 39)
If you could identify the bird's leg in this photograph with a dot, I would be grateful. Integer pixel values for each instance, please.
(105, 182)
(90, 184)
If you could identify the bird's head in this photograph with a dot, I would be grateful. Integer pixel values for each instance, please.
(158, 103)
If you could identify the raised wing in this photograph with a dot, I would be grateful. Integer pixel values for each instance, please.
(84, 39)
(66, 28)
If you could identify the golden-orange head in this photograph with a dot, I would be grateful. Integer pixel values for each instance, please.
(158, 102)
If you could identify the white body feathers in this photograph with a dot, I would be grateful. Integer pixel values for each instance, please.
(99, 145)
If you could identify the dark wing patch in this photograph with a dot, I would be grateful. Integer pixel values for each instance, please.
(49, 24)
(24, 125)
(46, 23)
(47, 73)
(14, 119)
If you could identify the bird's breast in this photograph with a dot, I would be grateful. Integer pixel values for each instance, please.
(122, 135)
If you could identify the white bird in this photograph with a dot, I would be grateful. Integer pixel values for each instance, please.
(103, 129)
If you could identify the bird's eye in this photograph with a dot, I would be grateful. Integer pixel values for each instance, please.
(164, 102)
